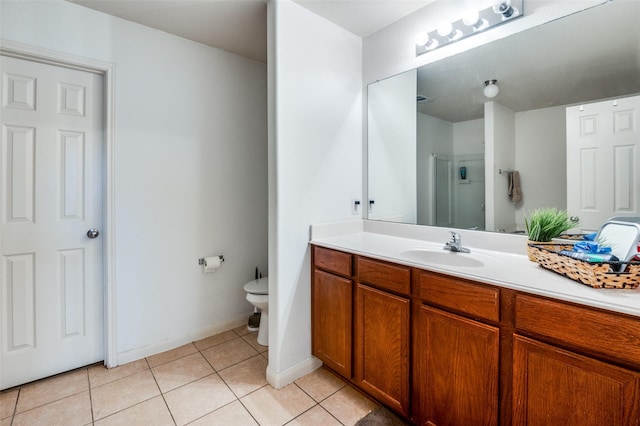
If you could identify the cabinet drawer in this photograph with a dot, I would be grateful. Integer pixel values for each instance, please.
(459, 295)
(332, 260)
(612, 335)
(384, 275)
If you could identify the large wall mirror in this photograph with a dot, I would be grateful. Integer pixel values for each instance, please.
(440, 153)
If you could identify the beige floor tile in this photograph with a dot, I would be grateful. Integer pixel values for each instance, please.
(100, 375)
(348, 405)
(316, 416)
(151, 412)
(52, 389)
(8, 403)
(215, 340)
(242, 330)
(252, 339)
(198, 399)
(233, 414)
(124, 393)
(181, 371)
(229, 353)
(320, 384)
(246, 376)
(72, 410)
(276, 407)
(172, 355)
(6, 422)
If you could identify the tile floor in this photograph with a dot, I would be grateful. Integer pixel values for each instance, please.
(219, 380)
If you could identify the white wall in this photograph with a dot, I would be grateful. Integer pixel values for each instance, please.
(500, 134)
(391, 130)
(315, 166)
(541, 139)
(190, 170)
(468, 137)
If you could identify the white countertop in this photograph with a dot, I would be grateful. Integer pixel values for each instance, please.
(501, 268)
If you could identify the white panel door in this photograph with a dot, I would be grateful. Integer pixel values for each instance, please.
(51, 272)
(603, 156)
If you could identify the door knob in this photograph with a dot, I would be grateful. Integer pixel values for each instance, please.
(93, 233)
(574, 219)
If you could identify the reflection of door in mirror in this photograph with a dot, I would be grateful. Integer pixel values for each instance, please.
(603, 157)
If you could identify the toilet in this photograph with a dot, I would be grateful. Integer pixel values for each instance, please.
(258, 296)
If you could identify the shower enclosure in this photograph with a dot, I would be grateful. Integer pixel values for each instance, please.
(456, 186)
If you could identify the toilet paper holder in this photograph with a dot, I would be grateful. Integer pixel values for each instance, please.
(201, 260)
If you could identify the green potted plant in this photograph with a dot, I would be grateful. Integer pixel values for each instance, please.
(545, 224)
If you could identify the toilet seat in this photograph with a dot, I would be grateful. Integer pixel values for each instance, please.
(259, 286)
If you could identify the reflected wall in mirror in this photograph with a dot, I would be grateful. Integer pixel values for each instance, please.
(442, 165)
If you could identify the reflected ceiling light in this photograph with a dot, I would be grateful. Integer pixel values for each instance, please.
(491, 88)
(473, 21)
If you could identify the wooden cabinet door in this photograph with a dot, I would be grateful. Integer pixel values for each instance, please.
(457, 377)
(331, 307)
(382, 346)
(552, 386)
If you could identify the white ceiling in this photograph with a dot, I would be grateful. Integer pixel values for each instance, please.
(240, 26)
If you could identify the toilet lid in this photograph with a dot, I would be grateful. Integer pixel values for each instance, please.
(259, 286)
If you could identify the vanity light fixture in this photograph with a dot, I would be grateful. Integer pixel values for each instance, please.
(491, 88)
(473, 21)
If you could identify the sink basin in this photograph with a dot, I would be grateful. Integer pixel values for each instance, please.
(443, 257)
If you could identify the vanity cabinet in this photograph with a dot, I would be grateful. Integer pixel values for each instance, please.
(441, 350)
(456, 374)
(382, 332)
(575, 366)
(331, 309)
(553, 386)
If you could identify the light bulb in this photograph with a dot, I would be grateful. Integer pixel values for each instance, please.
(471, 17)
(504, 8)
(445, 29)
(491, 89)
(422, 39)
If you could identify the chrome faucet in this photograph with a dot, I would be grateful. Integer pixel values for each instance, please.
(455, 244)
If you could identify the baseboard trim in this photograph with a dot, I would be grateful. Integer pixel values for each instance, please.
(143, 352)
(280, 380)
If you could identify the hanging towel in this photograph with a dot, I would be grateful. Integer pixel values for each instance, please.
(515, 191)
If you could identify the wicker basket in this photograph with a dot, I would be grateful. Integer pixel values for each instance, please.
(596, 275)
(533, 252)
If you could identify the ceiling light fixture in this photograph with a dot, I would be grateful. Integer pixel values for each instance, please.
(472, 22)
(491, 88)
